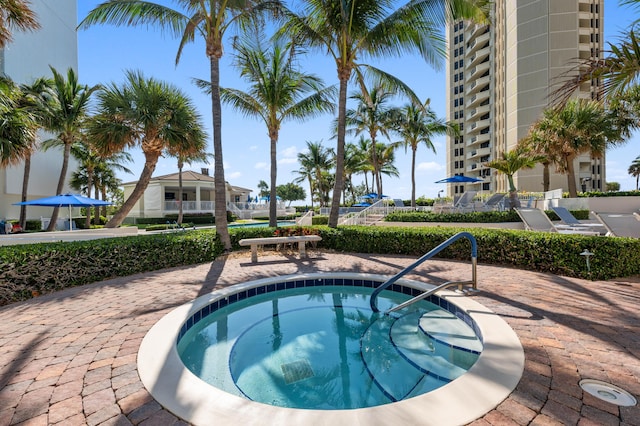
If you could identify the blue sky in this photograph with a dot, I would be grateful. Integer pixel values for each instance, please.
(105, 52)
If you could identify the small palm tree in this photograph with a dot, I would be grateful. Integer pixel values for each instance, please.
(580, 126)
(418, 124)
(315, 161)
(372, 115)
(154, 115)
(64, 112)
(509, 163)
(278, 92)
(16, 14)
(634, 170)
(18, 125)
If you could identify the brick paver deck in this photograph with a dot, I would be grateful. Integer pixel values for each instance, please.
(69, 358)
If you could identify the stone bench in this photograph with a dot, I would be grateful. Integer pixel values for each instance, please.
(300, 239)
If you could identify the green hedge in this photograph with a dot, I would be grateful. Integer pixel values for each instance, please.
(471, 217)
(534, 251)
(31, 269)
(28, 270)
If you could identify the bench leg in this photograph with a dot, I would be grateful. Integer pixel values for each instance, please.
(254, 253)
(301, 248)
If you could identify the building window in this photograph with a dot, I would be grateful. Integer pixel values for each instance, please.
(455, 103)
(455, 77)
(461, 126)
(455, 40)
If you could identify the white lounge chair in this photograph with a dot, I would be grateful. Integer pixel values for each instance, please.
(620, 224)
(570, 220)
(492, 203)
(537, 220)
(465, 202)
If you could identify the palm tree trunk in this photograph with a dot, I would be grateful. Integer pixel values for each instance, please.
(147, 171)
(545, 177)
(180, 165)
(413, 178)
(63, 175)
(311, 190)
(273, 201)
(342, 115)
(218, 166)
(25, 186)
(87, 220)
(571, 178)
(96, 212)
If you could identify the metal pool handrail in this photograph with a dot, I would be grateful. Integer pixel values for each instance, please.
(429, 255)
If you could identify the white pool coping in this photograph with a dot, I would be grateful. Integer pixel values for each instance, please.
(489, 381)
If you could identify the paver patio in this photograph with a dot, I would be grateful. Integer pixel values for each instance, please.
(69, 358)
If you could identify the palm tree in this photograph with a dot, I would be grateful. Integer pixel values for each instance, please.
(154, 115)
(351, 30)
(279, 91)
(84, 179)
(372, 115)
(209, 19)
(417, 124)
(16, 14)
(634, 170)
(354, 162)
(17, 125)
(315, 161)
(580, 126)
(509, 163)
(33, 95)
(64, 112)
(385, 157)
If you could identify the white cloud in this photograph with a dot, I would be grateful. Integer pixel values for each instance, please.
(430, 166)
(288, 161)
(234, 175)
(291, 152)
(262, 166)
(253, 148)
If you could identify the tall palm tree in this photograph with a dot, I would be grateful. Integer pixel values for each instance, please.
(209, 19)
(278, 91)
(154, 115)
(580, 126)
(418, 124)
(351, 30)
(509, 163)
(372, 115)
(64, 112)
(200, 156)
(314, 161)
(354, 161)
(33, 96)
(15, 15)
(634, 170)
(385, 157)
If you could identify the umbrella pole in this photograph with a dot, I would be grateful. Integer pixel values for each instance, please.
(70, 227)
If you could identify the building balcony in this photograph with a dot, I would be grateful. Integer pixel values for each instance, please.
(477, 85)
(479, 57)
(477, 43)
(477, 126)
(477, 153)
(475, 31)
(475, 100)
(474, 72)
(474, 113)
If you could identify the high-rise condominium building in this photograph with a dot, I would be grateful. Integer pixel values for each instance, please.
(26, 58)
(499, 81)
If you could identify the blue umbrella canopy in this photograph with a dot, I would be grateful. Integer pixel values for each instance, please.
(459, 179)
(65, 200)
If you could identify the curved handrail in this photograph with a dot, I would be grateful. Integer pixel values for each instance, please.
(429, 255)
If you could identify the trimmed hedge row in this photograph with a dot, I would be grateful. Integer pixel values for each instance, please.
(472, 217)
(30, 270)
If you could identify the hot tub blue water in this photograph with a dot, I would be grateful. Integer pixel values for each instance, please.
(316, 344)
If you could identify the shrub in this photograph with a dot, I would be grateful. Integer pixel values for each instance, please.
(320, 220)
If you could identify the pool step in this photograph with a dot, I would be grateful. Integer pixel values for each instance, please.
(395, 376)
(452, 339)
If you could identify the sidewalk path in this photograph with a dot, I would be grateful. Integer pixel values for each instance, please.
(69, 358)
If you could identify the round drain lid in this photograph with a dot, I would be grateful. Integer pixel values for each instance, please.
(608, 392)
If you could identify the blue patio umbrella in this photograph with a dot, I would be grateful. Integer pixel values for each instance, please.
(361, 205)
(65, 200)
(459, 179)
(373, 195)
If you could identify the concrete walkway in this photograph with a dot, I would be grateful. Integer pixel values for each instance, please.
(69, 358)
